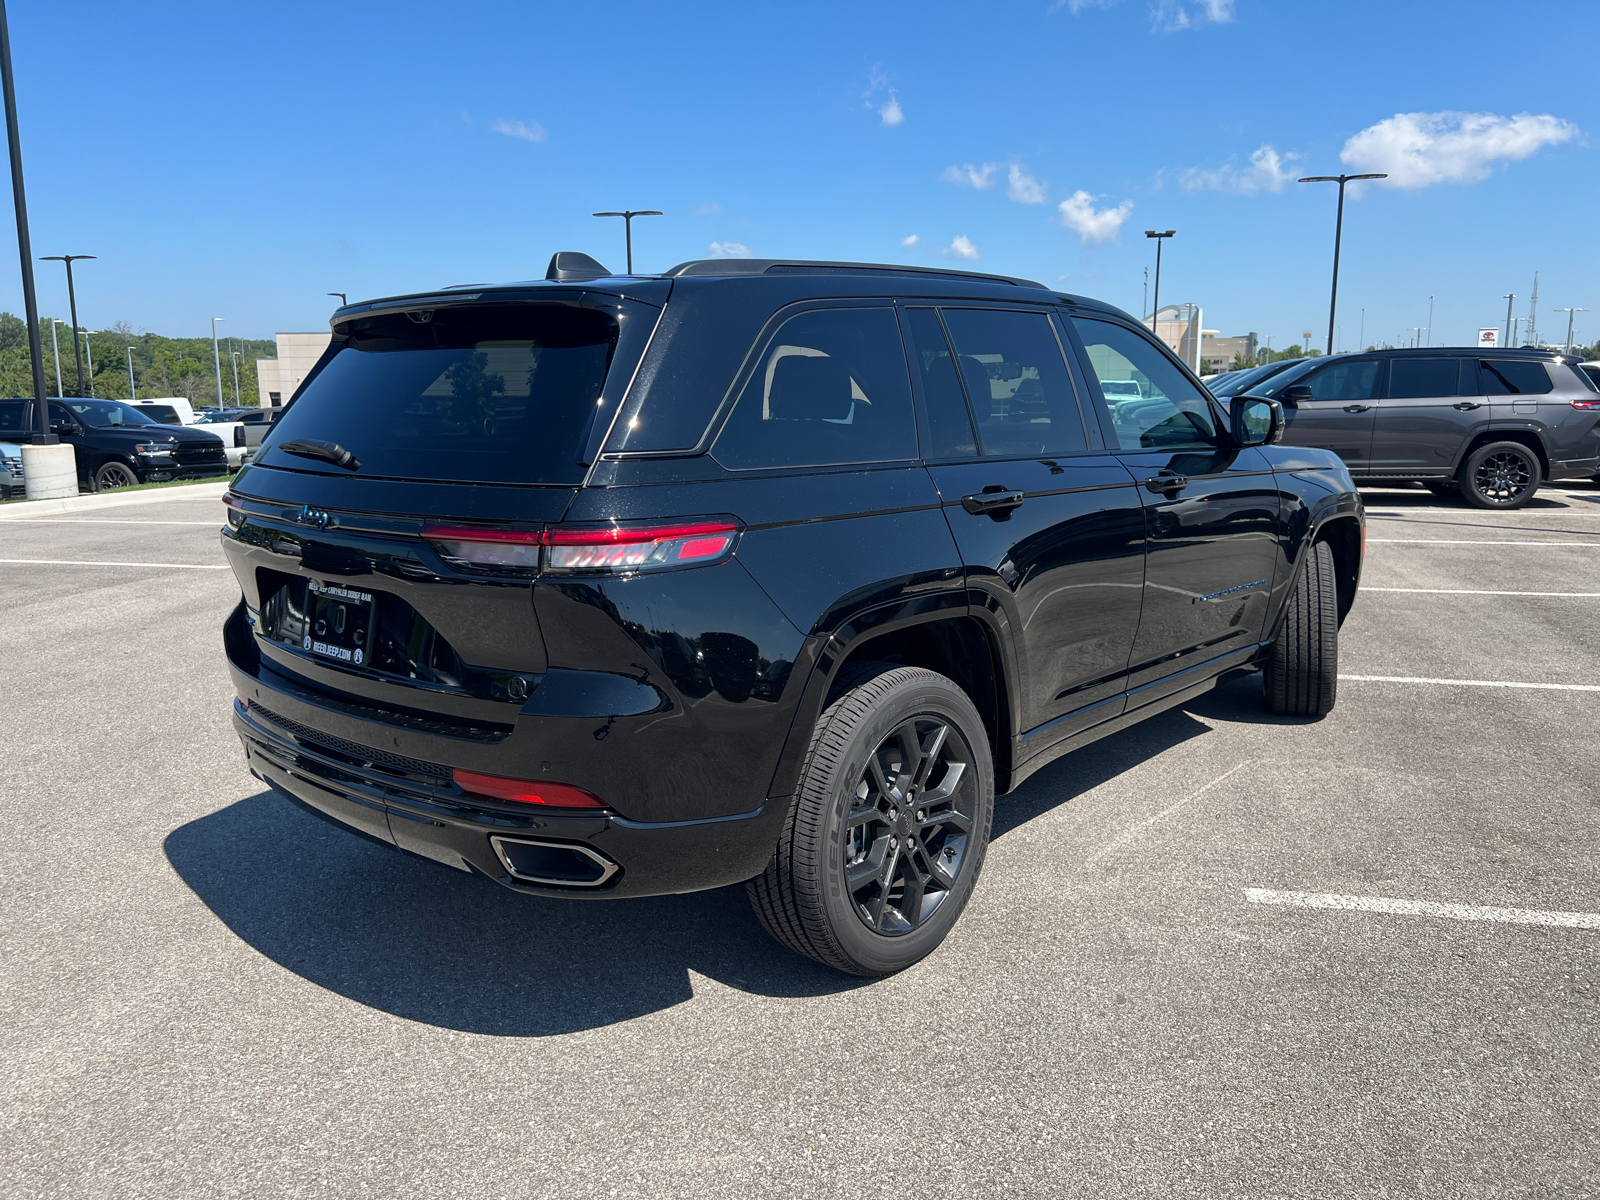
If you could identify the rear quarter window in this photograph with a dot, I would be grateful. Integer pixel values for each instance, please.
(1513, 377)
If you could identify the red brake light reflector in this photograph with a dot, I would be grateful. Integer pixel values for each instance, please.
(1586, 404)
(501, 549)
(526, 791)
(639, 548)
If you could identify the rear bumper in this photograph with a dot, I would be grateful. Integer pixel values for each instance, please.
(1575, 468)
(604, 855)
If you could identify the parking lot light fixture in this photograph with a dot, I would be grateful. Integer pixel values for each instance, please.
(343, 298)
(72, 306)
(1510, 297)
(133, 390)
(1571, 313)
(234, 354)
(1338, 235)
(216, 357)
(55, 349)
(88, 353)
(627, 221)
(1160, 237)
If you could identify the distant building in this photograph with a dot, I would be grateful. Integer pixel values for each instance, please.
(1219, 353)
(1178, 325)
(297, 354)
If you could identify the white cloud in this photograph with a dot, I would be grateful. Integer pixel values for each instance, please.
(1094, 225)
(1268, 172)
(888, 110)
(1024, 188)
(910, 239)
(1421, 149)
(961, 247)
(967, 175)
(729, 250)
(1170, 16)
(709, 209)
(528, 131)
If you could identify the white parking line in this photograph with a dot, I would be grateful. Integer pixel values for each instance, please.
(1499, 683)
(73, 562)
(1424, 908)
(1467, 542)
(1480, 592)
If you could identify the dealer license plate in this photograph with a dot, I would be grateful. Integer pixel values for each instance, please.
(341, 623)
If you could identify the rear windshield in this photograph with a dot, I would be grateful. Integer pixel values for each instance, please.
(478, 395)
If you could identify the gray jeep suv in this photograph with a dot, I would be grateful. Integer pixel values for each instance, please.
(1489, 425)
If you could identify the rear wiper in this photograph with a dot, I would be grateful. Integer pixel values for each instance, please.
(327, 451)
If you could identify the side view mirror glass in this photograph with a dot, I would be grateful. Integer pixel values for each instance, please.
(63, 428)
(1295, 393)
(1256, 421)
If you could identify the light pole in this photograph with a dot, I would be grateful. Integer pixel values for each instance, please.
(133, 390)
(72, 305)
(1509, 298)
(234, 354)
(1361, 337)
(1430, 320)
(627, 220)
(1417, 329)
(55, 348)
(88, 353)
(1146, 307)
(216, 356)
(343, 299)
(1159, 237)
(1571, 313)
(1338, 234)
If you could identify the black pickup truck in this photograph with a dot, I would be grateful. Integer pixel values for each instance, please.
(755, 571)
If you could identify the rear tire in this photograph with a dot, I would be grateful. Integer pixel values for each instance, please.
(1500, 475)
(1302, 675)
(884, 843)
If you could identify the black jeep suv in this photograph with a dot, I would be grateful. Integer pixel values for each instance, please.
(755, 571)
(1485, 425)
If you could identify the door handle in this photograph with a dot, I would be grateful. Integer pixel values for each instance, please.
(1467, 405)
(994, 504)
(1357, 407)
(1167, 483)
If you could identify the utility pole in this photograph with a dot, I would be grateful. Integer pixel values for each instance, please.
(1159, 237)
(88, 352)
(1338, 234)
(72, 305)
(55, 348)
(1571, 312)
(216, 357)
(1533, 311)
(234, 354)
(133, 390)
(1417, 330)
(1515, 323)
(1509, 298)
(627, 220)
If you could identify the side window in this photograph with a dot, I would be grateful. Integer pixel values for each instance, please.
(13, 414)
(949, 422)
(1503, 377)
(1151, 402)
(831, 388)
(1017, 383)
(1356, 380)
(1415, 378)
(60, 415)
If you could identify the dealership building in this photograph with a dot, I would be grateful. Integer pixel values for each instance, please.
(297, 354)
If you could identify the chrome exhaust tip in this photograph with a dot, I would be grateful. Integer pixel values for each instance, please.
(554, 864)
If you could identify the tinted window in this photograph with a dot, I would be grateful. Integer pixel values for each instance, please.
(1356, 380)
(1151, 402)
(165, 414)
(493, 395)
(831, 388)
(103, 413)
(1412, 378)
(1504, 377)
(13, 416)
(950, 425)
(1016, 381)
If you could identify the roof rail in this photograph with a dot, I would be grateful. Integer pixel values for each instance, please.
(788, 266)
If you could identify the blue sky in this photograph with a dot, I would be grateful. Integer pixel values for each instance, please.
(241, 162)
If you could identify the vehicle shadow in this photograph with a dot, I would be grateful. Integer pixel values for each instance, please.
(416, 939)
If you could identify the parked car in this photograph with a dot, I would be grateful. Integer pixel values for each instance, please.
(1242, 381)
(1488, 425)
(168, 410)
(235, 435)
(630, 586)
(1592, 370)
(117, 445)
(11, 487)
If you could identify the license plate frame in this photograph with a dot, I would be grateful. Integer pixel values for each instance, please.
(339, 624)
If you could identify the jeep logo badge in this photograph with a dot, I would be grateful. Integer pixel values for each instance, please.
(315, 516)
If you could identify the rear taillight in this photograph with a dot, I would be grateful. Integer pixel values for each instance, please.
(615, 549)
(235, 507)
(238, 436)
(621, 548)
(514, 550)
(1589, 405)
(526, 791)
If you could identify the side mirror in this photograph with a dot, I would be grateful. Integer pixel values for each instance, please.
(1295, 393)
(1256, 421)
(63, 428)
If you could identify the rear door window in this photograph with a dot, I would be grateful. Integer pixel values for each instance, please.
(1016, 381)
(1417, 378)
(949, 422)
(13, 417)
(830, 388)
(501, 394)
(1151, 403)
(1510, 377)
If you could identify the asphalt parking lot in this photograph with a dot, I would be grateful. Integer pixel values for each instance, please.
(1222, 954)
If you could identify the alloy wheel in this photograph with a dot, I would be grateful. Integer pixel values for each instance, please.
(908, 831)
(114, 475)
(1503, 477)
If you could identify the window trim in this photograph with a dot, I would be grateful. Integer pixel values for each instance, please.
(1113, 441)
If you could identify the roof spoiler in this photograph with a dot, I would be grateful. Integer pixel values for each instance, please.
(568, 266)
